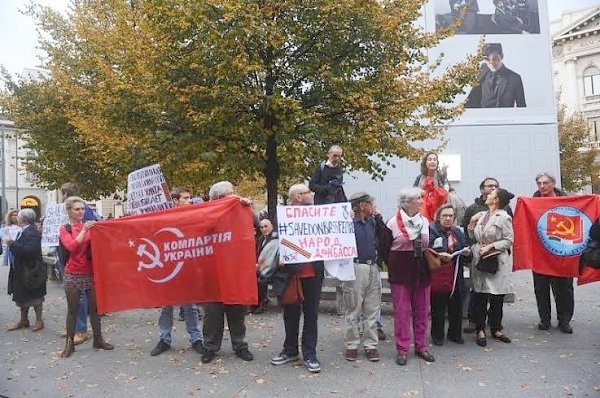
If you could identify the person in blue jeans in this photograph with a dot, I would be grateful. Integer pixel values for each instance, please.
(181, 197)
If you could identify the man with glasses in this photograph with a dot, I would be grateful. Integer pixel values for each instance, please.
(485, 187)
(328, 179)
(562, 288)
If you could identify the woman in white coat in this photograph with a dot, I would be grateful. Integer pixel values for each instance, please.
(493, 232)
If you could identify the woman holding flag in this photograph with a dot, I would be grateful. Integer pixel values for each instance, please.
(492, 263)
(78, 274)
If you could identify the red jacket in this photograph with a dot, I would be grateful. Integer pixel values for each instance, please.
(80, 261)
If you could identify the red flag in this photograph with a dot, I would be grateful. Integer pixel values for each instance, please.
(551, 233)
(190, 254)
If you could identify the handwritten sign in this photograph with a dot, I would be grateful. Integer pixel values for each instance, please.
(147, 191)
(315, 233)
(56, 215)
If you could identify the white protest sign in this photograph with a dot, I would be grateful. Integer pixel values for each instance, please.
(315, 233)
(147, 191)
(342, 270)
(56, 216)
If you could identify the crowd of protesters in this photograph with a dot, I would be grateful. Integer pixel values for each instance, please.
(431, 228)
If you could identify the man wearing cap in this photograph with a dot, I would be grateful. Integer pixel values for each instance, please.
(362, 296)
(499, 87)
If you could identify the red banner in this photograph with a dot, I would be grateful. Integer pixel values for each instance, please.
(190, 254)
(551, 233)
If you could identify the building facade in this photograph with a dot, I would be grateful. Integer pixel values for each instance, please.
(576, 61)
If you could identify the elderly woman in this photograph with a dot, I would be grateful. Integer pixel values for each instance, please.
(409, 276)
(79, 275)
(493, 233)
(431, 181)
(447, 284)
(27, 253)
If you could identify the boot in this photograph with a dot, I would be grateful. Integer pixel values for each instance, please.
(39, 323)
(69, 348)
(24, 322)
(101, 344)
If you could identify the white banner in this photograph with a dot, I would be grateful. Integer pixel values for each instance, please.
(315, 233)
(56, 215)
(147, 191)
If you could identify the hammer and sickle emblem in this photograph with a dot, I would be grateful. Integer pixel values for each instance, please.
(153, 256)
(562, 229)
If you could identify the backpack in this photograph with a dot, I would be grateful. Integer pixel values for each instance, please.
(61, 251)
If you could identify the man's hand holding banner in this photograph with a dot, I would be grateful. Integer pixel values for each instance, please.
(190, 254)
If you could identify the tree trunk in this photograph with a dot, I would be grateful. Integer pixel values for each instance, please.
(272, 176)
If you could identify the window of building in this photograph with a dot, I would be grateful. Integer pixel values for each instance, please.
(591, 81)
(594, 130)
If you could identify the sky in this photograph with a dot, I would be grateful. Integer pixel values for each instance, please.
(18, 37)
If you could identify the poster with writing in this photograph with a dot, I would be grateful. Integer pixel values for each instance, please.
(56, 215)
(315, 233)
(147, 191)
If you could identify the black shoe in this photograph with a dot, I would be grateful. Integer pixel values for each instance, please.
(426, 355)
(198, 347)
(402, 359)
(381, 335)
(457, 340)
(437, 341)
(481, 341)
(161, 347)
(181, 316)
(565, 328)
(259, 310)
(244, 354)
(543, 325)
(502, 338)
(208, 356)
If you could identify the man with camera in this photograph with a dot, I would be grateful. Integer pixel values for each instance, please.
(328, 179)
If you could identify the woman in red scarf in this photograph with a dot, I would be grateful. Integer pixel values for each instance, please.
(431, 181)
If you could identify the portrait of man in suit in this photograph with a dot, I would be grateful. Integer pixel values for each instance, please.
(498, 86)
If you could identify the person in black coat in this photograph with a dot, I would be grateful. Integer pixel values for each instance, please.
(327, 181)
(499, 87)
(27, 252)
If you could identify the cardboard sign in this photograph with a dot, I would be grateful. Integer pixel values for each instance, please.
(315, 233)
(147, 191)
(56, 215)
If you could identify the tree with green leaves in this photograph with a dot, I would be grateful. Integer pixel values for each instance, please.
(577, 159)
(228, 89)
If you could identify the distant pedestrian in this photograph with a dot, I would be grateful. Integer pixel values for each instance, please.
(327, 181)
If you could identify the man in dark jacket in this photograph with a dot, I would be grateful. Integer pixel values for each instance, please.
(562, 287)
(328, 179)
(499, 87)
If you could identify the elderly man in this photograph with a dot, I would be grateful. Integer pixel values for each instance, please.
(362, 296)
(267, 235)
(181, 197)
(562, 288)
(311, 277)
(214, 313)
(328, 179)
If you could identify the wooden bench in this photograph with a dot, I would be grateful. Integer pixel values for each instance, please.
(332, 290)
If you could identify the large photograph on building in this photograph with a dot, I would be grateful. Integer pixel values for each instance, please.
(514, 83)
(488, 16)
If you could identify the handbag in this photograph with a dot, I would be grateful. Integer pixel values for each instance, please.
(591, 255)
(34, 276)
(489, 262)
(293, 293)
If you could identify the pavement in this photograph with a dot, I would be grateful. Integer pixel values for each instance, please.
(536, 364)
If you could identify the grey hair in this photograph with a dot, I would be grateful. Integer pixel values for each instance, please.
(545, 174)
(295, 190)
(27, 215)
(442, 208)
(407, 195)
(220, 190)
